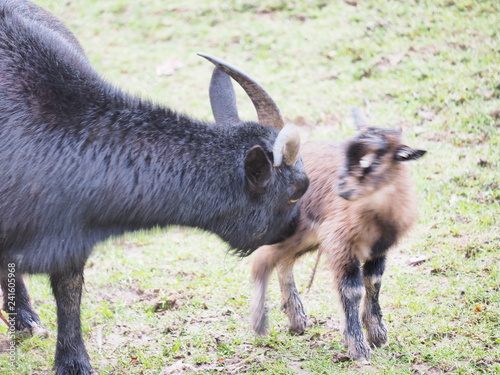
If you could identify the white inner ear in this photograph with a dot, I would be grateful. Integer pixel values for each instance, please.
(367, 160)
(404, 153)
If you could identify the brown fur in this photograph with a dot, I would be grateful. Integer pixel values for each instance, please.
(352, 215)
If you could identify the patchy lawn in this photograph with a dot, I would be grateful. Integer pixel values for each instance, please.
(172, 301)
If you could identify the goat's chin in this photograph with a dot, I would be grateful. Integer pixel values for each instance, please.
(353, 195)
(242, 253)
(272, 237)
(286, 231)
(348, 195)
(243, 249)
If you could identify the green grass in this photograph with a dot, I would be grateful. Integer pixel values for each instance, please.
(173, 297)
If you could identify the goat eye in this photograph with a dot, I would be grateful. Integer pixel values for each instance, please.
(295, 194)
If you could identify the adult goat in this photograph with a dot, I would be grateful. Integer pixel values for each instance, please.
(82, 161)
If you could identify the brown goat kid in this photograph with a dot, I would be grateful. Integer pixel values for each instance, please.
(360, 202)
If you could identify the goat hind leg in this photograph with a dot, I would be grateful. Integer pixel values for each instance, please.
(291, 304)
(16, 303)
(258, 309)
(264, 261)
(376, 333)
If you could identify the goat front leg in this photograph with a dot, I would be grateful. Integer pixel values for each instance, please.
(376, 333)
(71, 356)
(16, 303)
(290, 300)
(350, 287)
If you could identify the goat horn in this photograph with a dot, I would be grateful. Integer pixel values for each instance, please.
(223, 98)
(360, 119)
(286, 146)
(267, 110)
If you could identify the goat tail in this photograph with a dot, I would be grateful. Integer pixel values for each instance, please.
(314, 271)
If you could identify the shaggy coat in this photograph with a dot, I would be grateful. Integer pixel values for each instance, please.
(359, 203)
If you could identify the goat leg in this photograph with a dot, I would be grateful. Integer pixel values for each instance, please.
(290, 300)
(264, 262)
(350, 287)
(258, 310)
(16, 303)
(376, 333)
(71, 356)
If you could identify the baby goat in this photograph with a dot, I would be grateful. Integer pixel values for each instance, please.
(360, 202)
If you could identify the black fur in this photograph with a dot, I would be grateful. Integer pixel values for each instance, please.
(351, 293)
(81, 161)
(373, 270)
(388, 238)
(26, 319)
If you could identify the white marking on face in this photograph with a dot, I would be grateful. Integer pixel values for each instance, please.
(367, 160)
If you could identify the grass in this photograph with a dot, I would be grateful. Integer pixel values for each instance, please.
(171, 300)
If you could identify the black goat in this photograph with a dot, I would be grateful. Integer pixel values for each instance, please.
(82, 161)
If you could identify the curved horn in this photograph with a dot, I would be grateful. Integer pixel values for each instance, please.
(286, 146)
(223, 99)
(267, 110)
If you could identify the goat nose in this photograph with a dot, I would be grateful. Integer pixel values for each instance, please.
(346, 194)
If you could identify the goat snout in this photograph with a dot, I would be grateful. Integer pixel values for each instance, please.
(342, 190)
(346, 194)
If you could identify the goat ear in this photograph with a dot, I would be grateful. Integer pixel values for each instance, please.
(405, 153)
(258, 169)
(223, 98)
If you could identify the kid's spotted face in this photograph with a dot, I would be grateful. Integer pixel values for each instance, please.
(371, 161)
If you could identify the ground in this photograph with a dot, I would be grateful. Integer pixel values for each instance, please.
(171, 300)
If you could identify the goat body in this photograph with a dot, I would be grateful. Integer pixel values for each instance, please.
(82, 161)
(359, 203)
